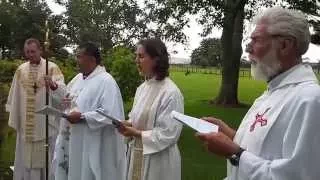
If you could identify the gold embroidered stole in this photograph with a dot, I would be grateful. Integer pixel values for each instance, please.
(32, 82)
(138, 159)
(34, 152)
(31, 89)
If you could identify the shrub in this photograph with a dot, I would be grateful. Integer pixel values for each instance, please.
(7, 70)
(124, 70)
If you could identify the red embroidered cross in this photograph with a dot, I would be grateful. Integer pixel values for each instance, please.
(259, 119)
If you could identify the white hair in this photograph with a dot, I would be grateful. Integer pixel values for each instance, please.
(287, 22)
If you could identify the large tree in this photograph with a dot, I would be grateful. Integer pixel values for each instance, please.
(8, 14)
(228, 15)
(105, 22)
(24, 19)
(208, 53)
(57, 40)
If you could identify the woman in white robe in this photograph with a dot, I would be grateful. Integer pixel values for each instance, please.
(153, 151)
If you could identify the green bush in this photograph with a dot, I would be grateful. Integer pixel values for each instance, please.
(124, 70)
(7, 70)
(68, 68)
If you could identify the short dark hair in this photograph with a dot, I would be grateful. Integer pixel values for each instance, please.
(33, 40)
(157, 50)
(91, 49)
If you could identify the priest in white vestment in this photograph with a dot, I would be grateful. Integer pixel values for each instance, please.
(88, 146)
(153, 151)
(278, 138)
(27, 94)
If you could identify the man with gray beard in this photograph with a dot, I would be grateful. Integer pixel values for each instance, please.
(279, 136)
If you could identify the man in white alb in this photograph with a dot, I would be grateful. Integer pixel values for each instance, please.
(278, 138)
(27, 94)
(89, 147)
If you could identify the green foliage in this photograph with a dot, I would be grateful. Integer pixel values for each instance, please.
(208, 53)
(7, 70)
(24, 19)
(171, 15)
(68, 68)
(124, 70)
(229, 15)
(105, 22)
(119, 62)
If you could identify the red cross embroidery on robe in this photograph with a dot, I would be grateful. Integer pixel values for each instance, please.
(259, 119)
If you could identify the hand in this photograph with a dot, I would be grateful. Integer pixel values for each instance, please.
(219, 144)
(126, 123)
(49, 83)
(74, 117)
(223, 127)
(128, 131)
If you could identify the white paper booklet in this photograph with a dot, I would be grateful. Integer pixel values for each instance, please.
(195, 123)
(115, 121)
(48, 110)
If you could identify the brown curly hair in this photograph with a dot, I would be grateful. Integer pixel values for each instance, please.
(157, 50)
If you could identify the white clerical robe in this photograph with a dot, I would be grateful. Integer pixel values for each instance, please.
(280, 132)
(160, 133)
(27, 94)
(92, 149)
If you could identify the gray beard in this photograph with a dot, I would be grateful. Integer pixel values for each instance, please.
(267, 67)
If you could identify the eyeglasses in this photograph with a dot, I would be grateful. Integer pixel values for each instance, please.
(254, 39)
(261, 39)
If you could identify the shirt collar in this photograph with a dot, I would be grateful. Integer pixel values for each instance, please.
(297, 74)
(99, 69)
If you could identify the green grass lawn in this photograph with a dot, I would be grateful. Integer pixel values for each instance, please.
(198, 89)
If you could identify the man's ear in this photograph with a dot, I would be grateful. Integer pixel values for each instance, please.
(286, 46)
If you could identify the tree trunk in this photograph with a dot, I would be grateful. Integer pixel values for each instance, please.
(3, 52)
(231, 54)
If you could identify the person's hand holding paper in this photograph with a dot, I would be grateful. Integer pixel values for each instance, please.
(195, 123)
(223, 127)
(72, 117)
(220, 143)
(208, 132)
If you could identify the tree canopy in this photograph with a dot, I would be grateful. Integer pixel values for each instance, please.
(208, 53)
(230, 16)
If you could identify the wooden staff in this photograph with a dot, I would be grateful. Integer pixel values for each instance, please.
(46, 46)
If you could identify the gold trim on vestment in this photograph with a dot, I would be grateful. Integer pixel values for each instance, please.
(29, 85)
(138, 160)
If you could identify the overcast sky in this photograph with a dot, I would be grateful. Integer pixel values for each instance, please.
(184, 50)
(194, 39)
